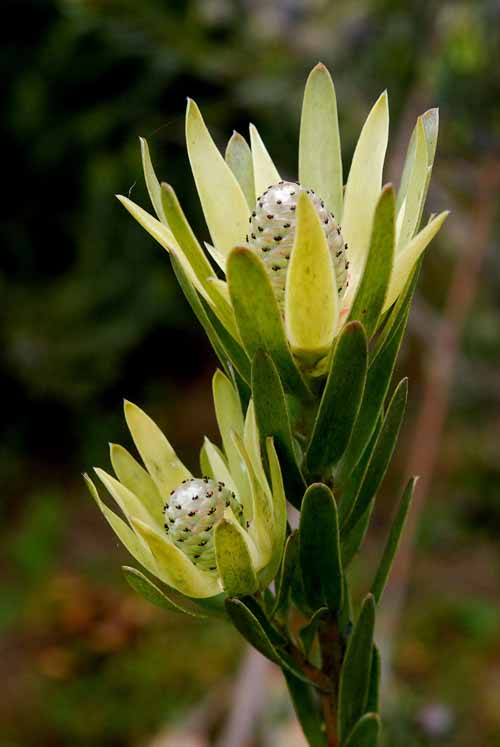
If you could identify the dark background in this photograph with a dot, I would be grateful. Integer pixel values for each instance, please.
(91, 314)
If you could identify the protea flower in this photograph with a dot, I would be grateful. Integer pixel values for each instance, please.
(300, 257)
(223, 531)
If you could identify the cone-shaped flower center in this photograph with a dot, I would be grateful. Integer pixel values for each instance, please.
(192, 511)
(272, 233)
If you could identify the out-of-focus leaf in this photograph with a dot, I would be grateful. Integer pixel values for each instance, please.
(366, 732)
(287, 570)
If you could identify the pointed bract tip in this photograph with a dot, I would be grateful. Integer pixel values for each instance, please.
(320, 67)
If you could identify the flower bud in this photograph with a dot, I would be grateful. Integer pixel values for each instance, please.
(272, 234)
(191, 514)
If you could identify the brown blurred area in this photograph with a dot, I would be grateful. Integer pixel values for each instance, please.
(92, 314)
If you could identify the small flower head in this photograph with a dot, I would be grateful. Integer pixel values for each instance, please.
(272, 229)
(184, 529)
(192, 513)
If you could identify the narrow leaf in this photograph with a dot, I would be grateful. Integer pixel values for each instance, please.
(363, 186)
(217, 186)
(372, 289)
(341, 399)
(381, 455)
(378, 380)
(287, 570)
(413, 203)
(393, 541)
(265, 172)
(258, 316)
(273, 420)
(149, 591)
(406, 259)
(245, 621)
(239, 160)
(372, 701)
(355, 673)
(319, 549)
(152, 183)
(320, 158)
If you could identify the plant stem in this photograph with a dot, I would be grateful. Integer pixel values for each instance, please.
(331, 656)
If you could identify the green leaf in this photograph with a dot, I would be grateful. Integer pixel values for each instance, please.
(372, 288)
(137, 480)
(311, 296)
(305, 704)
(319, 549)
(258, 316)
(363, 186)
(378, 380)
(146, 589)
(220, 194)
(205, 466)
(272, 420)
(286, 573)
(381, 455)
(152, 183)
(355, 673)
(366, 732)
(239, 160)
(320, 157)
(398, 314)
(393, 541)
(341, 399)
(234, 561)
(372, 701)
(265, 172)
(246, 622)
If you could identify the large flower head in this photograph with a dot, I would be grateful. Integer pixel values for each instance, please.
(302, 257)
(200, 535)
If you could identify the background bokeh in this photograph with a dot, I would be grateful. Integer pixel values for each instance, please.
(91, 314)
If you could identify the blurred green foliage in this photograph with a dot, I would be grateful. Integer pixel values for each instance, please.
(91, 313)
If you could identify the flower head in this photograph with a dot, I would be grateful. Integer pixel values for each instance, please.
(321, 247)
(200, 535)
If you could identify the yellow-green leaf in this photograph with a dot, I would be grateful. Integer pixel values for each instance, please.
(320, 158)
(264, 170)
(136, 479)
(152, 183)
(364, 185)
(160, 459)
(405, 261)
(224, 204)
(239, 160)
